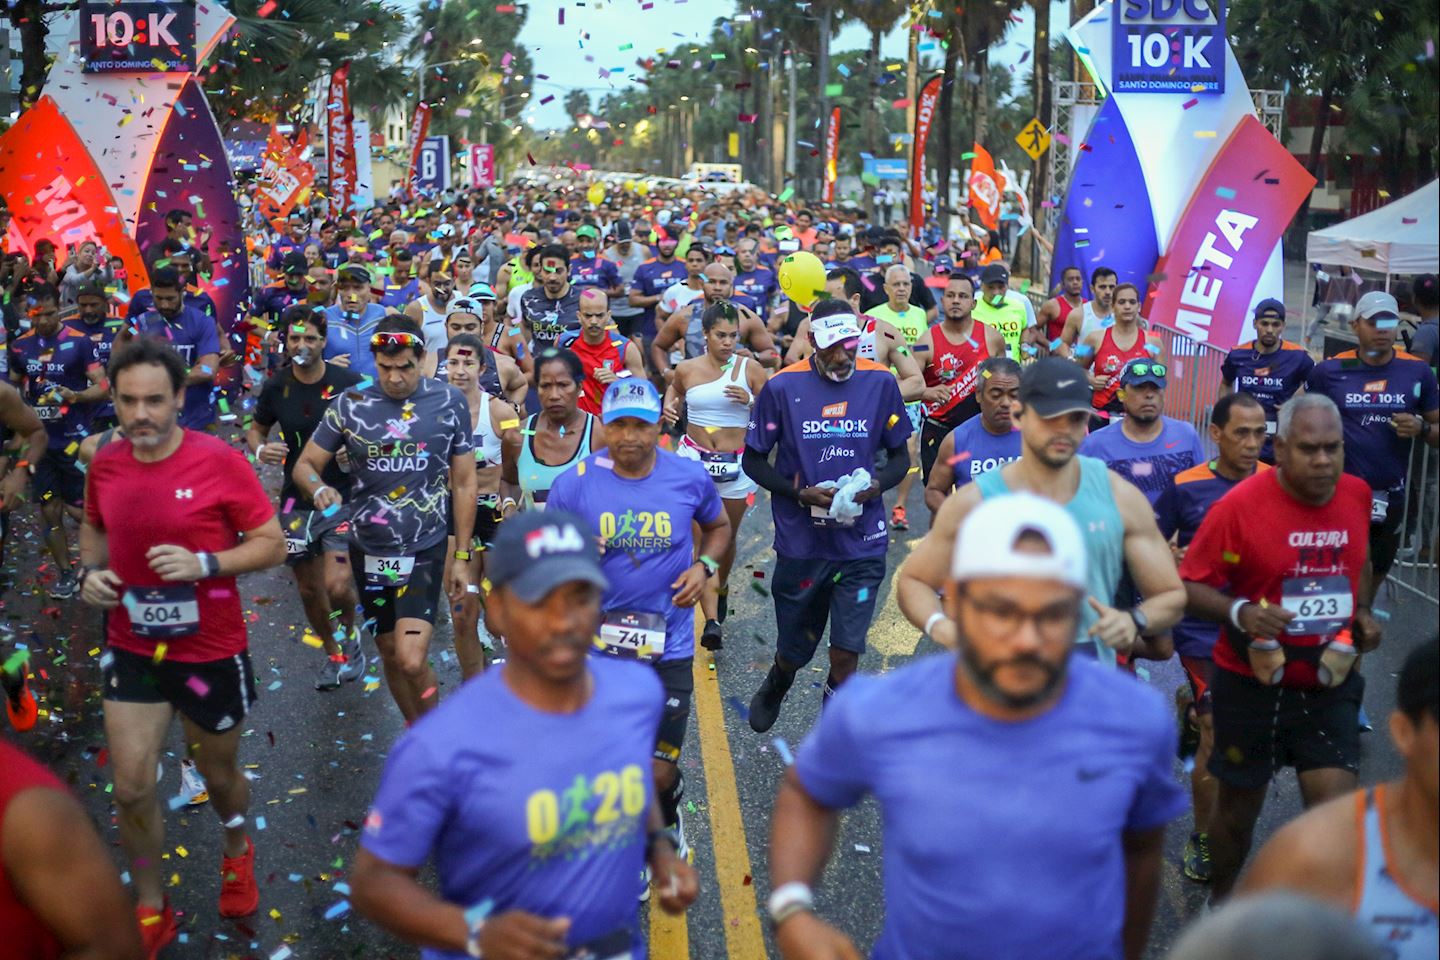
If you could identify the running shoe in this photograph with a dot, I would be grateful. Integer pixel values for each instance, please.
(192, 785)
(682, 846)
(328, 677)
(710, 637)
(897, 518)
(765, 705)
(239, 893)
(64, 587)
(645, 884)
(1196, 857)
(1364, 720)
(157, 928)
(355, 662)
(20, 704)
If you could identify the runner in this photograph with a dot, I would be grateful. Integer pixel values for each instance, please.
(1386, 398)
(268, 305)
(641, 501)
(1011, 713)
(408, 438)
(652, 279)
(316, 541)
(1372, 853)
(755, 285)
(1119, 524)
(716, 392)
(428, 311)
(92, 320)
(1145, 447)
(604, 353)
(190, 334)
(987, 441)
(627, 255)
(829, 417)
(1237, 428)
(911, 322)
(49, 852)
(514, 884)
(55, 366)
(18, 424)
(167, 510)
(1283, 693)
(587, 269)
(351, 322)
(1269, 367)
(686, 291)
(889, 253)
(553, 440)
(1055, 312)
(1106, 353)
(500, 376)
(552, 305)
(951, 353)
(879, 340)
(1007, 311)
(683, 335)
(1096, 314)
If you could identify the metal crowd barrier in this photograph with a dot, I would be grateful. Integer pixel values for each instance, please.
(1195, 379)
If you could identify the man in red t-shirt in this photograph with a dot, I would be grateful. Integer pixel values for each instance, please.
(49, 853)
(1282, 563)
(171, 517)
(603, 352)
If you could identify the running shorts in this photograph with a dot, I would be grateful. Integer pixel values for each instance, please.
(1260, 729)
(418, 598)
(215, 695)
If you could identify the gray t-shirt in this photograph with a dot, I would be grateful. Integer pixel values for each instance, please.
(549, 318)
(1426, 341)
(400, 453)
(639, 253)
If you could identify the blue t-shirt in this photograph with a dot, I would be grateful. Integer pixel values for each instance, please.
(825, 430)
(352, 335)
(755, 289)
(1005, 797)
(396, 296)
(546, 813)
(1272, 378)
(645, 526)
(60, 360)
(978, 450)
(193, 335)
(102, 341)
(594, 272)
(652, 278)
(1150, 466)
(273, 300)
(1368, 396)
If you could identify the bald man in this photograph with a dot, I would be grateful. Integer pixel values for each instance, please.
(605, 354)
(717, 284)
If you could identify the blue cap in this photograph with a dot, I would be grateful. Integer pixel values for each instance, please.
(1270, 305)
(630, 397)
(1144, 370)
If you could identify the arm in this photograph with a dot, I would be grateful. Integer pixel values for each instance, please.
(669, 334)
(1312, 854)
(995, 343)
(1143, 849)
(638, 299)
(464, 490)
(800, 347)
(204, 370)
(759, 340)
(1151, 564)
(919, 579)
(1071, 331)
(714, 537)
(94, 393)
(51, 851)
(312, 463)
(397, 902)
(802, 834)
(897, 464)
(942, 475)
(512, 380)
(634, 363)
(23, 422)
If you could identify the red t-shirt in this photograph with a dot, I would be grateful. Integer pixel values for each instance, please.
(22, 935)
(610, 353)
(201, 497)
(1259, 542)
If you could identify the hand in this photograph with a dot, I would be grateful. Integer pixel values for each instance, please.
(675, 881)
(174, 563)
(805, 936)
(12, 489)
(1264, 620)
(66, 394)
(517, 935)
(101, 588)
(1114, 628)
(869, 493)
(342, 458)
(1366, 630)
(325, 497)
(343, 360)
(458, 583)
(1178, 553)
(603, 375)
(1097, 382)
(817, 496)
(272, 452)
(738, 394)
(689, 586)
(935, 394)
(672, 410)
(228, 357)
(1407, 425)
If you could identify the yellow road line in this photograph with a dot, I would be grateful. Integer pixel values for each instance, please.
(669, 936)
(743, 939)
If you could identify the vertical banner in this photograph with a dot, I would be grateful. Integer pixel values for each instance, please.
(482, 165)
(339, 143)
(284, 175)
(924, 116)
(364, 196)
(419, 129)
(986, 185)
(432, 171)
(832, 155)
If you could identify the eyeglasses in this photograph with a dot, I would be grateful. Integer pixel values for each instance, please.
(1147, 369)
(397, 339)
(1055, 622)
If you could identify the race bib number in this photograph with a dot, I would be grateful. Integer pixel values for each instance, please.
(614, 945)
(161, 613)
(1379, 505)
(1322, 605)
(1270, 426)
(49, 412)
(722, 467)
(295, 545)
(388, 571)
(632, 635)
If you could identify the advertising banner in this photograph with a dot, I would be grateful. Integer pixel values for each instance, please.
(419, 129)
(482, 165)
(924, 116)
(1168, 46)
(432, 171)
(339, 143)
(285, 175)
(832, 155)
(137, 36)
(986, 186)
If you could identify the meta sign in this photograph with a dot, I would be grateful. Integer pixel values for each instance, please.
(138, 36)
(1168, 46)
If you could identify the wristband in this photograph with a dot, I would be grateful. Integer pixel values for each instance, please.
(462, 555)
(258, 447)
(1235, 613)
(789, 899)
(316, 492)
(933, 619)
(712, 567)
(209, 565)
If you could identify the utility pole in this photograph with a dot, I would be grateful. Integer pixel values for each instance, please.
(790, 122)
(822, 79)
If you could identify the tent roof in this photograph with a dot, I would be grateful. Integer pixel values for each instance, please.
(1401, 238)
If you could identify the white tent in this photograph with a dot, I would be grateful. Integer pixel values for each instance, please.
(1399, 239)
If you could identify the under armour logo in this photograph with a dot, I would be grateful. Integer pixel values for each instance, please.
(185, 494)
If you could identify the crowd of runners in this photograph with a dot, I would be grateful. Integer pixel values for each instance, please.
(544, 422)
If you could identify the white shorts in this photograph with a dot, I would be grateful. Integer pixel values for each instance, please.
(738, 489)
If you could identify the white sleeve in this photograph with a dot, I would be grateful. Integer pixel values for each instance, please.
(1030, 318)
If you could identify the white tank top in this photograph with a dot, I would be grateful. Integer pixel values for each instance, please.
(1089, 323)
(707, 406)
(432, 324)
(487, 441)
(867, 340)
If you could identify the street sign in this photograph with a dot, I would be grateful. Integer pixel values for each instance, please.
(1034, 139)
(432, 173)
(1168, 46)
(137, 36)
(886, 168)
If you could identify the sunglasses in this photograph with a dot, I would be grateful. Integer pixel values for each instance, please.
(397, 339)
(1148, 369)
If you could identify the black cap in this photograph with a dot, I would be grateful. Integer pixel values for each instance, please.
(294, 264)
(1143, 370)
(353, 272)
(1270, 306)
(994, 273)
(622, 231)
(1051, 386)
(536, 551)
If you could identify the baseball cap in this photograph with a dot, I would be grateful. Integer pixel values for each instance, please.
(354, 272)
(630, 397)
(830, 330)
(985, 545)
(480, 290)
(1051, 386)
(463, 305)
(994, 273)
(1377, 305)
(1269, 306)
(943, 264)
(294, 264)
(587, 230)
(622, 231)
(534, 552)
(1143, 370)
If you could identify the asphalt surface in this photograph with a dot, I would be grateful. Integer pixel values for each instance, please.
(315, 760)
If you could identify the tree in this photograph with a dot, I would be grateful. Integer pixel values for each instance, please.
(577, 104)
(28, 17)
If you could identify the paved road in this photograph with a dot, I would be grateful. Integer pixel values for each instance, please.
(316, 759)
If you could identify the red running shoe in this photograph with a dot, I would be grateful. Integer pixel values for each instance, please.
(157, 928)
(239, 894)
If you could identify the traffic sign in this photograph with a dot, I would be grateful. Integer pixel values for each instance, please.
(1034, 139)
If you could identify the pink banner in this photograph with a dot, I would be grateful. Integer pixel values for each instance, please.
(1206, 279)
(832, 155)
(482, 165)
(340, 144)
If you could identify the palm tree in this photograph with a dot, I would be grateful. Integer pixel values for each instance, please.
(880, 17)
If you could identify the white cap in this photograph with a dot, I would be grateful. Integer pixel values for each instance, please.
(985, 546)
(830, 330)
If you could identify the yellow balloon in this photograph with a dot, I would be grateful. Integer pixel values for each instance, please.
(629, 185)
(596, 193)
(802, 277)
(643, 189)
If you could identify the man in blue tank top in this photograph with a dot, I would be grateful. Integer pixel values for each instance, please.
(1117, 521)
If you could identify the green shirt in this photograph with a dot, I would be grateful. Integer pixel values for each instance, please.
(1010, 318)
(911, 323)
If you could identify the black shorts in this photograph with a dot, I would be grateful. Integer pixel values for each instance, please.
(1259, 729)
(417, 599)
(487, 524)
(310, 533)
(810, 593)
(58, 475)
(678, 677)
(215, 695)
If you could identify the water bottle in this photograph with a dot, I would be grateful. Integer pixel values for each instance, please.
(1336, 659)
(1267, 660)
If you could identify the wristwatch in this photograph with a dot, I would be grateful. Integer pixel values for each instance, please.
(209, 565)
(711, 566)
(462, 555)
(1142, 622)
